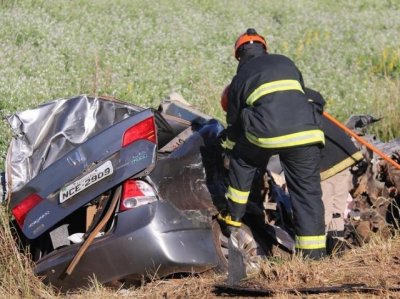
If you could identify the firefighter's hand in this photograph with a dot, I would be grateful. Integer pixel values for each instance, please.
(359, 168)
(227, 144)
(223, 142)
(318, 107)
(226, 151)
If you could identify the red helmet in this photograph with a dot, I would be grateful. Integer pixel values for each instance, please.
(250, 36)
(224, 98)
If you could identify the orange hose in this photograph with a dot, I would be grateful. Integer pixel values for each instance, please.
(361, 140)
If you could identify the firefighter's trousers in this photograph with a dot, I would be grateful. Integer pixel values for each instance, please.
(301, 166)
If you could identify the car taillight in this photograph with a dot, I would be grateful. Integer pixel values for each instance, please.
(136, 193)
(146, 129)
(22, 209)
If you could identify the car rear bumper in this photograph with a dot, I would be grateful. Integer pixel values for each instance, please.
(151, 241)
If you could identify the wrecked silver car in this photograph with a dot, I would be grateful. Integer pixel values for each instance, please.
(98, 187)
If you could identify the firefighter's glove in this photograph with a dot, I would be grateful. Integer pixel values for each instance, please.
(226, 144)
(359, 168)
(319, 107)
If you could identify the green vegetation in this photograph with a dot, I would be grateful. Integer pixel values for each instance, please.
(140, 51)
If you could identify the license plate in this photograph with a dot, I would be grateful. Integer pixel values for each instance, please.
(85, 182)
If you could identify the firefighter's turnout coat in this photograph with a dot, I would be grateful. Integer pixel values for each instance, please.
(267, 102)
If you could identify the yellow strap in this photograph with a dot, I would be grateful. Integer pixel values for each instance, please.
(310, 242)
(300, 138)
(228, 220)
(341, 166)
(237, 196)
(274, 86)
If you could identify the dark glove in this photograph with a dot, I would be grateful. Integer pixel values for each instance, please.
(359, 168)
(227, 144)
(223, 148)
(319, 108)
(224, 143)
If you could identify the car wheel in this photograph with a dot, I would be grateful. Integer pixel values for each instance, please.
(247, 244)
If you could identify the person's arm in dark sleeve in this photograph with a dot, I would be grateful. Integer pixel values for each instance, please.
(234, 126)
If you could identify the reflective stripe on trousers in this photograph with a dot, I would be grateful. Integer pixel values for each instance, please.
(237, 196)
(310, 242)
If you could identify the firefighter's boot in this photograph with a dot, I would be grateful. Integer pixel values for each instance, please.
(228, 223)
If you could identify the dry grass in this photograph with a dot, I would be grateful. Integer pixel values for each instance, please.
(190, 287)
(16, 278)
(376, 264)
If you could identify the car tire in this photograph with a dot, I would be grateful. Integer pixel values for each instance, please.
(249, 245)
(221, 247)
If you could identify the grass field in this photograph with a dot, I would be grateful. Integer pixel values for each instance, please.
(140, 51)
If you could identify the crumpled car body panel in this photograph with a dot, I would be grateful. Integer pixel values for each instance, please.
(153, 241)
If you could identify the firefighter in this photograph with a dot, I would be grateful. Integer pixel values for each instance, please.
(338, 157)
(268, 114)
